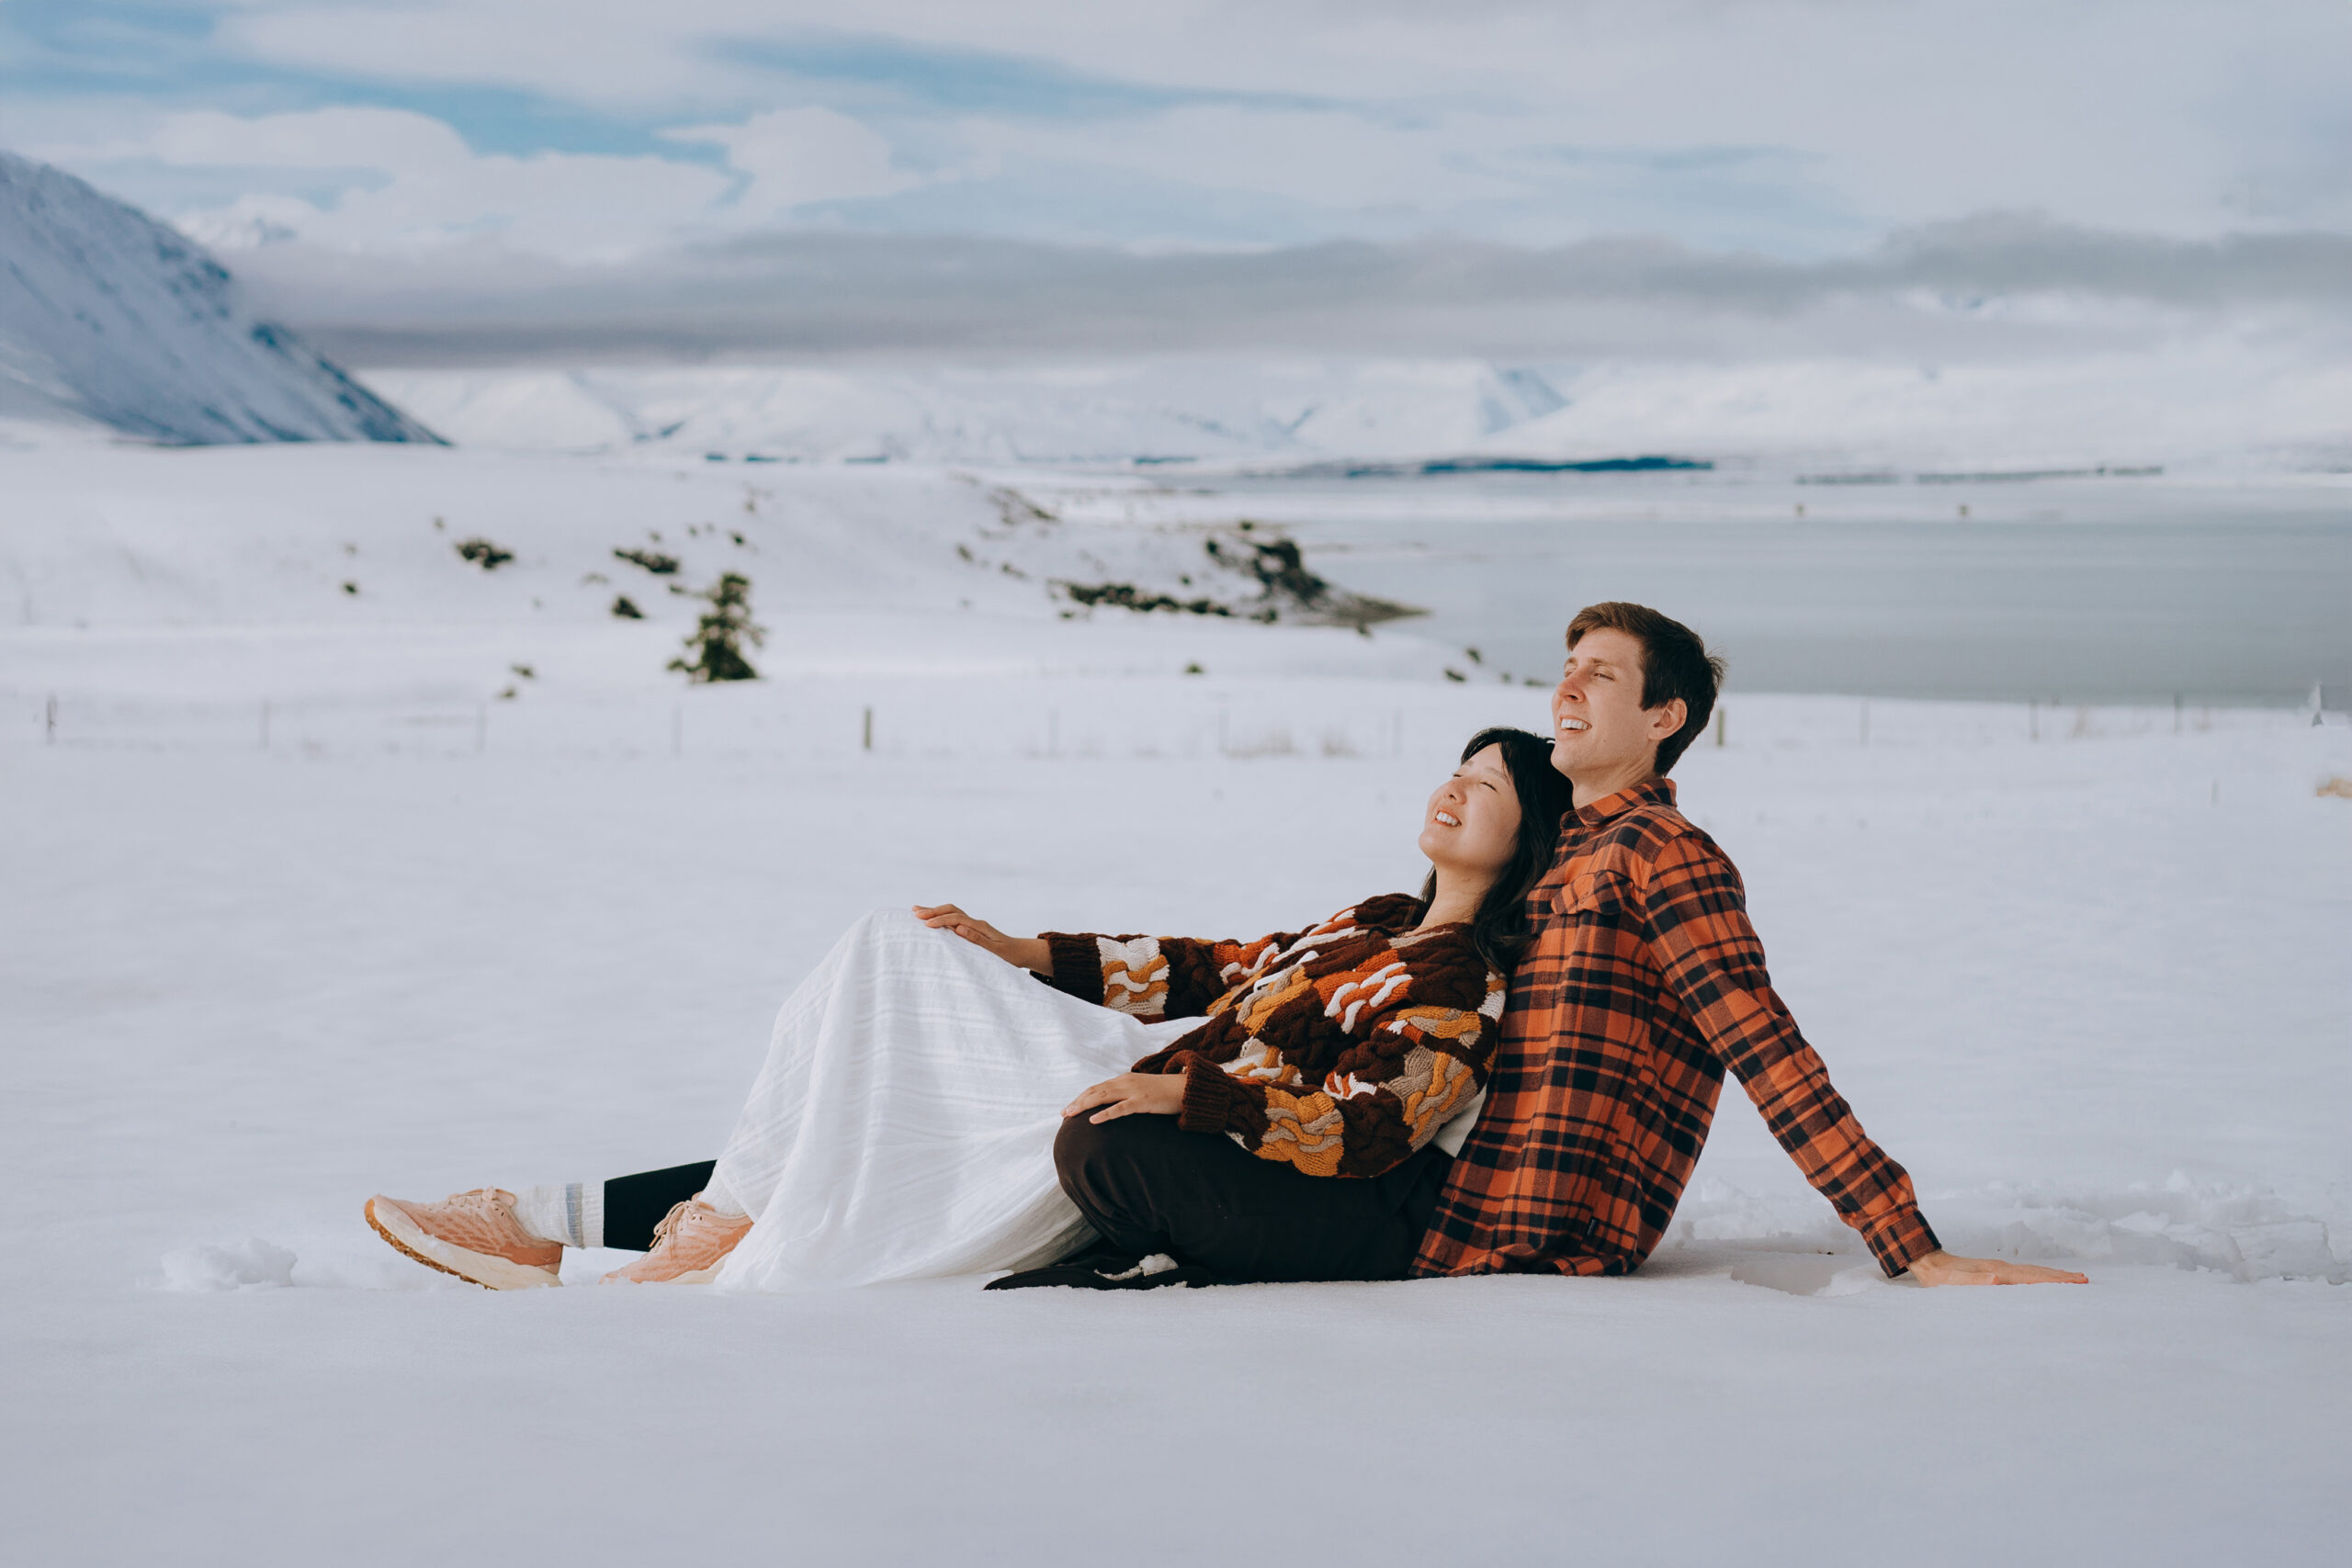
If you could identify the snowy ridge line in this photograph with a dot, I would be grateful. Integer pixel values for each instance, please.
(2210, 399)
(2246, 1231)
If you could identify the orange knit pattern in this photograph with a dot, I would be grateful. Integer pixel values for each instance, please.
(1340, 1049)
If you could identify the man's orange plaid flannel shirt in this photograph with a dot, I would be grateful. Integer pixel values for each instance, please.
(1645, 982)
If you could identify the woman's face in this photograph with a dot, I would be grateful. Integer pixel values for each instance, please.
(1472, 824)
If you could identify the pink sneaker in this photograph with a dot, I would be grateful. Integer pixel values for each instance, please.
(474, 1236)
(689, 1245)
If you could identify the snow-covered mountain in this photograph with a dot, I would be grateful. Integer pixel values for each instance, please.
(2208, 400)
(1144, 412)
(108, 317)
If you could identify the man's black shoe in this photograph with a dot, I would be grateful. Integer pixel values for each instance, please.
(1095, 1272)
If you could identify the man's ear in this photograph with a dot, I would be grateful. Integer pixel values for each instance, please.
(1668, 716)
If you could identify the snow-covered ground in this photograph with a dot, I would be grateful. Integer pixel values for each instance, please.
(298, 908)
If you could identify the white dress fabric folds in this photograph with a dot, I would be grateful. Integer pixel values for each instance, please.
(903, 1124)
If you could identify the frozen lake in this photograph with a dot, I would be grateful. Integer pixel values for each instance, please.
(2092, 588)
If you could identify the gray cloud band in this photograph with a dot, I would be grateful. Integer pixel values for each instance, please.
(1942, 288)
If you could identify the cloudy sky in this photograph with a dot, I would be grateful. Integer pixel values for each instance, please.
(382, 163)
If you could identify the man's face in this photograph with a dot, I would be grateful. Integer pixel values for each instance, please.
(1601, 734)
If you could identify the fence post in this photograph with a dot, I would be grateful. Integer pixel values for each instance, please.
(865, 739)
(1720, 723)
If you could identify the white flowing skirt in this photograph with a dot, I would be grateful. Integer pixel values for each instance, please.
(903, 1124)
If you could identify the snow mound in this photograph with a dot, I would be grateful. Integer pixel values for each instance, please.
(249, 1265)
(323, 1262)
(108, 318)
(2247, 1233)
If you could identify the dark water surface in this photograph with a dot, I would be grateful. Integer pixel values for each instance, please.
(2077, 589)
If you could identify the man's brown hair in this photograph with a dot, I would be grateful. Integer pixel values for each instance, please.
(1675, 663)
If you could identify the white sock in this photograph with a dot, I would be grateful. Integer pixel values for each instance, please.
(573, 1214)
(717, 1195)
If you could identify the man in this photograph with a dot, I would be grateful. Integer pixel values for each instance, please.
(1645, 984)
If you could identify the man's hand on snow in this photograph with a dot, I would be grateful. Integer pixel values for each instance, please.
(1940, 1267)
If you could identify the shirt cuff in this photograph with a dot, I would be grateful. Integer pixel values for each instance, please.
(1214, 1102)
(1078, 965)
(1900, 1240)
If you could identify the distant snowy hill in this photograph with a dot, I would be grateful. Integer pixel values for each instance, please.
(1145, 412)
(2195, 402)
(108, 317)
(589, 572)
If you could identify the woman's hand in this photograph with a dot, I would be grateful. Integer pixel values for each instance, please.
(1132, 1094)
(1941, 1268)
(1028, 953)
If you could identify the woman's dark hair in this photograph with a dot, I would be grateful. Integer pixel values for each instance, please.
(1501, 929)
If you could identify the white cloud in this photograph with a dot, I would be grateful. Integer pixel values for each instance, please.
(405, 181)
(2185, 116)
(1801, 129)
(355, 138)
(566, 206)
(798, 156)
(1330, 159)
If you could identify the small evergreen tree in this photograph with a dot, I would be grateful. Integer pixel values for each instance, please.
(484, 554)
(718, 635)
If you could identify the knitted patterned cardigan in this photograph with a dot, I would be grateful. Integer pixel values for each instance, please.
(1340, 1050)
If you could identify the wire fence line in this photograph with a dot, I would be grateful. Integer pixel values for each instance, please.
(1333, 720)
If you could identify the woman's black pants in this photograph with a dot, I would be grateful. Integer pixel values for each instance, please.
(1146, 1186)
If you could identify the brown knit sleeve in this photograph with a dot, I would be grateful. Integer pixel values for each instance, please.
(1077, 965)
(1153, 977)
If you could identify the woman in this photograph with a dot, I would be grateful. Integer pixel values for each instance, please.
(903, 1124)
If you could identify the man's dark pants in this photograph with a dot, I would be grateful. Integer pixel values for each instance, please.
(1146, 1186)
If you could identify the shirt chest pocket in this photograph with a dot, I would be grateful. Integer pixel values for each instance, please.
(1594, 897)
